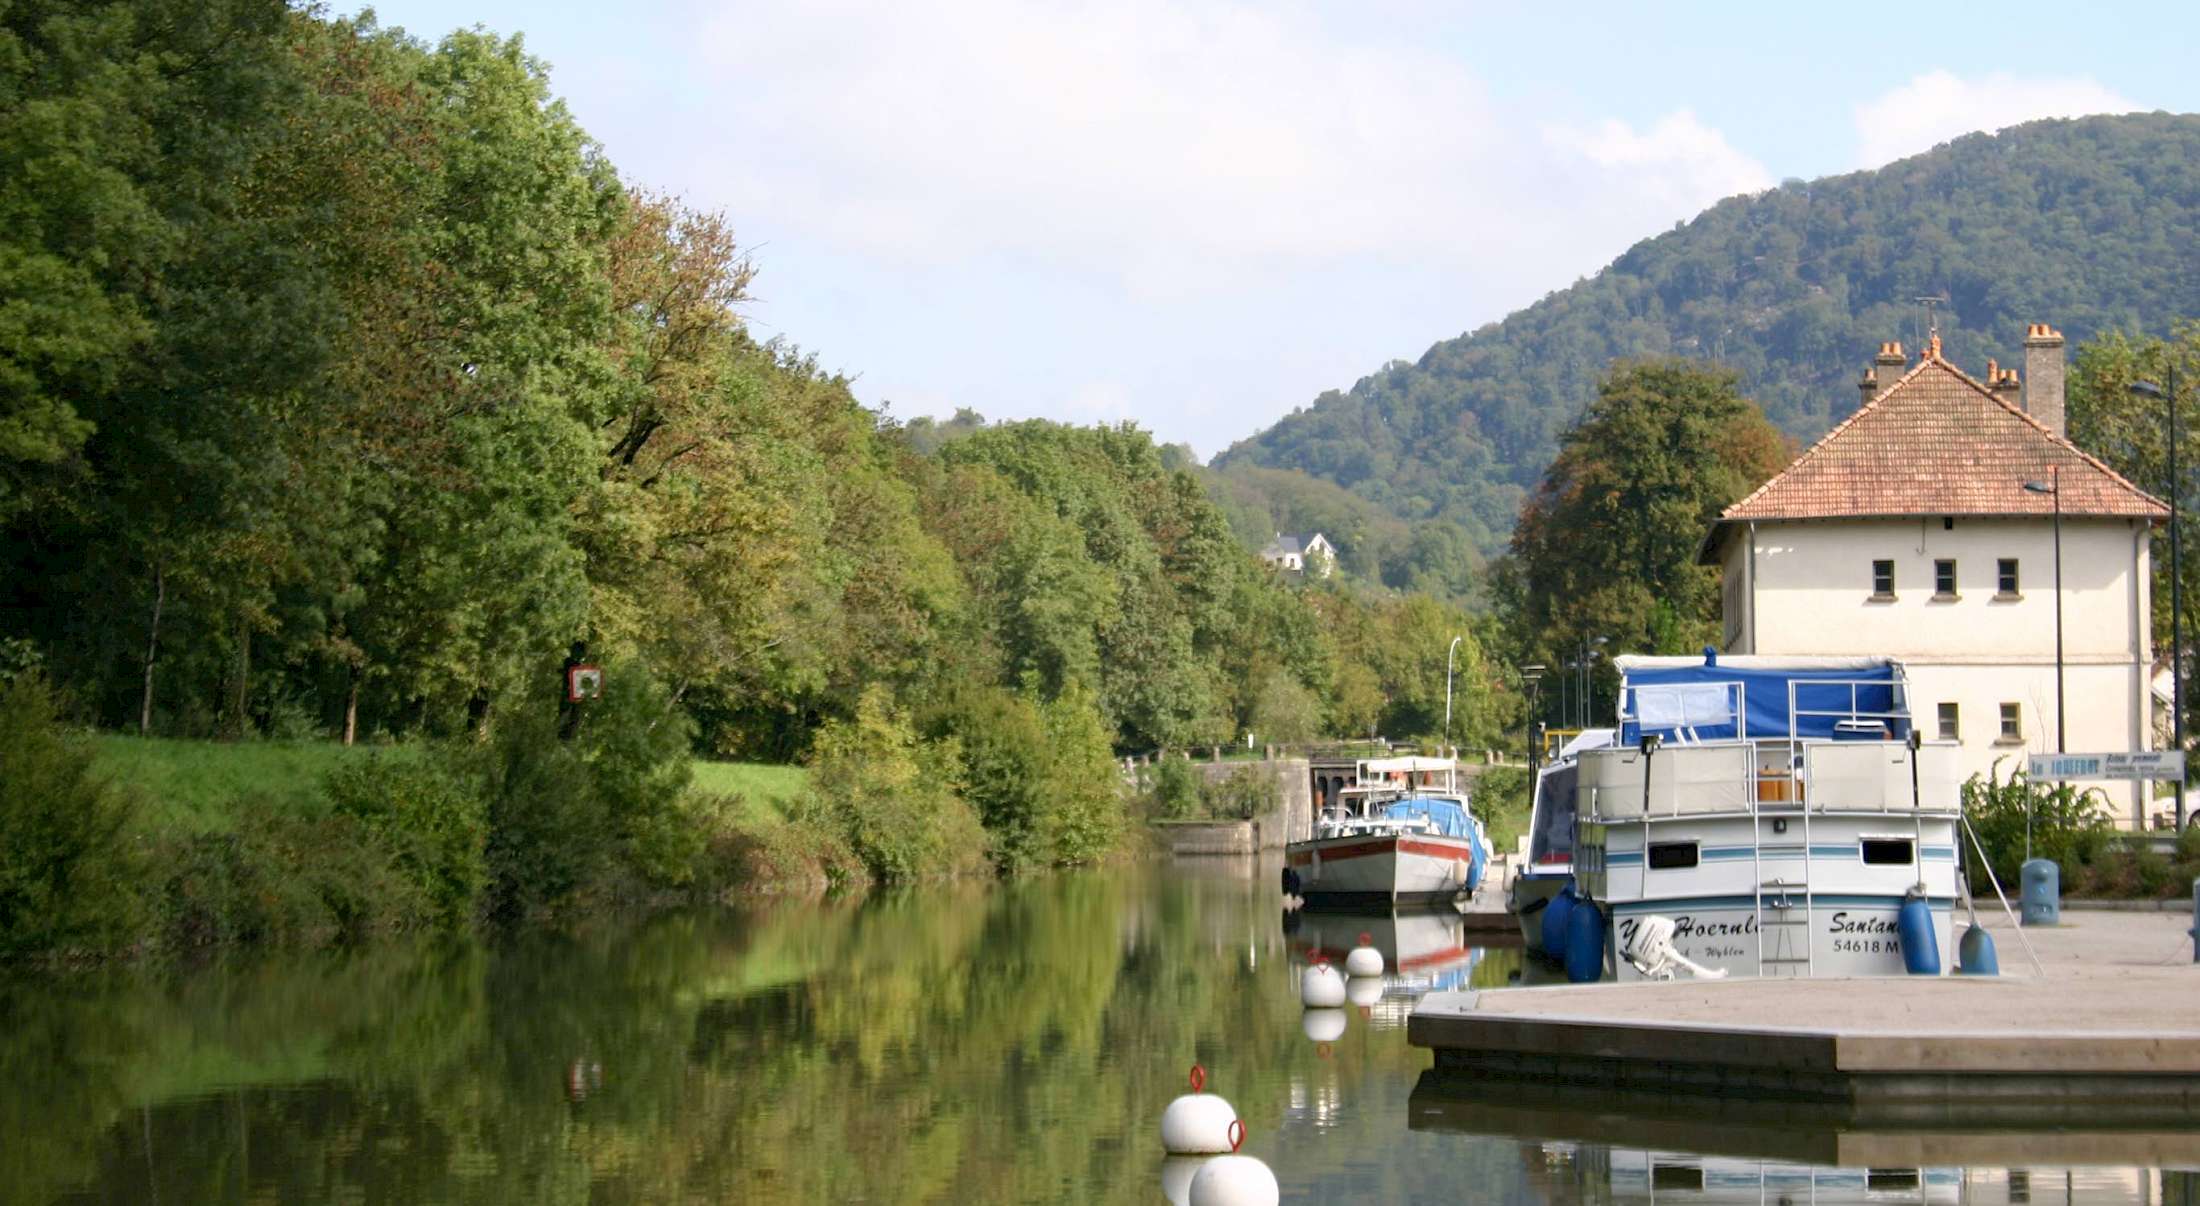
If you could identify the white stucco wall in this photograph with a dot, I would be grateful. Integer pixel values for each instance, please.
(1807, 590)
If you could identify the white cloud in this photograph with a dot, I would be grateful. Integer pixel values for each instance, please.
(1939, 105)
(1171, 149)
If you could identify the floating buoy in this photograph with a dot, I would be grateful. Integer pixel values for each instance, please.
(1364, 960)
(1235, 1180)
(1176, 1177)
(1323, 1025)
(1320, 987)
(1198, 1123)
(1363, 991)
(1557, 916)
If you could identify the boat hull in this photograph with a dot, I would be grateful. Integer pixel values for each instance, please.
(1529, 896)
(1376, 871)
(1841, 935)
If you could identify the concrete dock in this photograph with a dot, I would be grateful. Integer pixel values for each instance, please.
(2114, 1018)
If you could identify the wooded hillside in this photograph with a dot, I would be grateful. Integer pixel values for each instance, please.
(2090, 224)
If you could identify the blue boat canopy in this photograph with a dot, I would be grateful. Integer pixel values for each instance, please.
(1712, 698)
(1449, 817)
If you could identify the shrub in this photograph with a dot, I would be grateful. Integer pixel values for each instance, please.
(2066, 825)
(285, 878)
(1501, 803)
(66, 872)
(1041, 776)
(1243, 794)
(1084, 792)
(430, 819)
(892, 796)
(1172, 789)
(567, 811)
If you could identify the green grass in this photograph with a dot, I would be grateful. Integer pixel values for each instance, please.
(762, 785)
(201, 786)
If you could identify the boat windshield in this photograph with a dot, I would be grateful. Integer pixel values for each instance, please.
(1552, 842)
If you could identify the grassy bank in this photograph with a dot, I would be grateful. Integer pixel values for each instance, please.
(195, 787)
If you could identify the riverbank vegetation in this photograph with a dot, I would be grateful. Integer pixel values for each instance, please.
(352, 394)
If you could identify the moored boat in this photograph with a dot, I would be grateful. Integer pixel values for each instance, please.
(1763, 817)
(1399, 835)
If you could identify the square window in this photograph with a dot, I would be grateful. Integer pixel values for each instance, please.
(2012, 724)
(1944, 578)
(1883, 579)
(2005, 576)
(1948, 723)
(1669, 856)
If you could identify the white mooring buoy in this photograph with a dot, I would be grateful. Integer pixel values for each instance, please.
(1198, 1123)
(1235, 1180)
(1320, 987)
(1364, 960)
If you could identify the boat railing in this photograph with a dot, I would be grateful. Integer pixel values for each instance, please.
(1771, 777)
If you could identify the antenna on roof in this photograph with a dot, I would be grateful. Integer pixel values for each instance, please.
(1932, 325)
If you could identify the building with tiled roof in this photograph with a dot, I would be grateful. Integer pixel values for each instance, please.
(1923, 527)
(1295, 553)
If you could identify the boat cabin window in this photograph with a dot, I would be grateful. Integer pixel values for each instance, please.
(1889, 852)
(1672, 856)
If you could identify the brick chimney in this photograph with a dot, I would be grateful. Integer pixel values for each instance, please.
(1868, 385)
(1888, 366)
(2005, 385)
(2043, 376)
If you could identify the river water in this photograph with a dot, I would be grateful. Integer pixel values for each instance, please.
(971, 1043)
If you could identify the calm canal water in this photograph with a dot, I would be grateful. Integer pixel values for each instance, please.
(981, 1043)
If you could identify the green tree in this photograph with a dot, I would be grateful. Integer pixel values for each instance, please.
(1606, 547)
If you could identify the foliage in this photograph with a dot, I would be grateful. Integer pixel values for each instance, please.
(1171, 787)
(2058, 823)
(2082, 223)
(1502, 802)
(67, 869)
(1246, 792)
(433, 823)
(891, 795)
(1607, 545)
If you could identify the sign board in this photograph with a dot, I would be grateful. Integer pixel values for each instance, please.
(2153, 764)
(583, 681)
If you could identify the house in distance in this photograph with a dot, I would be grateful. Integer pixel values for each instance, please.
(1301, 554)
(1923, 528)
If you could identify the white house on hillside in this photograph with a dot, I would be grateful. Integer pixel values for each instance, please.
(1910, 531)
(1301, 554)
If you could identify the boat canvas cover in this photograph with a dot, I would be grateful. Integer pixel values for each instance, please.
(1690, 699)
(1449, 816)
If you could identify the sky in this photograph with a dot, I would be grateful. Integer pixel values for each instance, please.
(1197, 216)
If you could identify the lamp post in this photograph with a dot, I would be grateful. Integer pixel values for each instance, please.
(2054, 487)
(1447, 693)
(1585, 698)
(2168, 397)
(1565, 701)
(1532, 675)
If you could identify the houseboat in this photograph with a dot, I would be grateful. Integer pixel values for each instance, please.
(1549, 868)
(1401, 833)
(1762, 817)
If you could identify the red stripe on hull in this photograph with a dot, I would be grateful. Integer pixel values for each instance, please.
(1387, 845)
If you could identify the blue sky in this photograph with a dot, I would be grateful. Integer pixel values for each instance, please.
(1197, 216)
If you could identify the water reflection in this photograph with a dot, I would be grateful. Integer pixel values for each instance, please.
(1006, 1043)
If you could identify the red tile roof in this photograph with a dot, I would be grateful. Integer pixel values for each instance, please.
(1938, 442)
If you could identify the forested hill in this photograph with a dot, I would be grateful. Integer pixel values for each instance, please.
(2088, 224)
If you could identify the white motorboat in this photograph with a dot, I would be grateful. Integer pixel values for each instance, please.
(1763, 817)
(1402, 834)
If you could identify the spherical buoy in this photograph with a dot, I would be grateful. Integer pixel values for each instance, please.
(1364, 960)
(1176, 1177)
(1323, 1025)
(1320, 987)
(1363, 990)
(1198, 1123)
(1235, 1180)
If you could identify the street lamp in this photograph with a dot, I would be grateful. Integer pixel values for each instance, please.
(1447, 692)
(1585, 698)
(1565, 701)
(2168, 397)
(1532, 675)
(2054, 487)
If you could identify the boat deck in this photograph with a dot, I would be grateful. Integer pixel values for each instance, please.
(2116, 1014)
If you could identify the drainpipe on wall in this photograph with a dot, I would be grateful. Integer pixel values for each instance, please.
(1749, 577)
